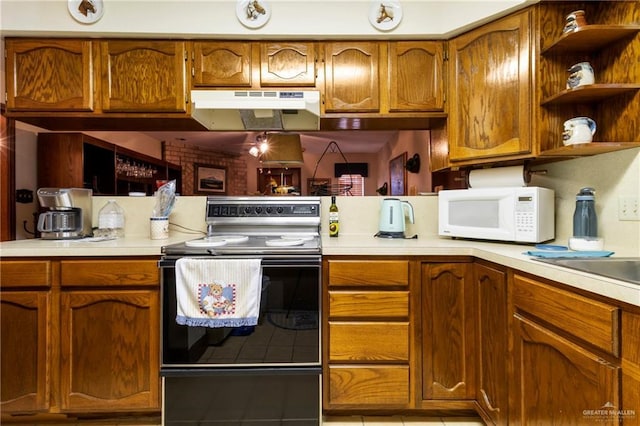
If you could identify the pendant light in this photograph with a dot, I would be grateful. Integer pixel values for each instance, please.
(285, 149)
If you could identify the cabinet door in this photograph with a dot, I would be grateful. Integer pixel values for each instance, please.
(491, 318)
(143, 76)
(109, 351)
(221, 64)
(448, 331)
(288, 64)
(352, 77)
(25, 362)
(631, 367)
(415, 76)
(49, 75)
(490, 111)
(558, 382)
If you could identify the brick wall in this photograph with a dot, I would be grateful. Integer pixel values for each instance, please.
(187, 155)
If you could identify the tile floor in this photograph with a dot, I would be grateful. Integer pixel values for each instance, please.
(402, 421)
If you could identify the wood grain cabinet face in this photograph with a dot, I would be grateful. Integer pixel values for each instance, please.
(416, 76)
(448, 351)
(491, 319)
(49, 75)
(222, 64)
(551, 362)
(288, 64)
(352, 77)
(25, 338)
(490, 111)
(110, 335)
(369, 329)
(143, 76)
(631, 366)
(109, 351)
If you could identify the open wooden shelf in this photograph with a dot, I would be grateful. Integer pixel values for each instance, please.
(590, 38)
(586, 149)
(590, 93)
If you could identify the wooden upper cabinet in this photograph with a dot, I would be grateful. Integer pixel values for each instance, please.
(288, 64)
(352, 77)
(143, 76)
(491, 90)
(415, 76)
(49, 75)
(222, 64)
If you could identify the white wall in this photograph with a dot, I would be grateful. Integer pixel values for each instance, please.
(26, 178)
(217, 18)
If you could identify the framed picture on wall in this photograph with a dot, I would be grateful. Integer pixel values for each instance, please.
(398, 175)
(210, 179)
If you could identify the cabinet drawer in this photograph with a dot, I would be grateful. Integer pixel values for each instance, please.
(25, 273)
(379, 385)
(589, 320)
(110, 272)
(357, 273)
(369, 304)
(369, 341)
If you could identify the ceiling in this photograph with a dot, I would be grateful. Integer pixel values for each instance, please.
(349, 141)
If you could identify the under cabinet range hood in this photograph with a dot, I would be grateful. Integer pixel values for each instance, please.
(256, 109)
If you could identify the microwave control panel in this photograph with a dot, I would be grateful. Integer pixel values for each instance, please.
(525, 215)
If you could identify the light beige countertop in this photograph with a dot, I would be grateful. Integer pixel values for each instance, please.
(510, 255)
(128, 246)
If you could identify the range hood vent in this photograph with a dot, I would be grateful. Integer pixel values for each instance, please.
(256, 110)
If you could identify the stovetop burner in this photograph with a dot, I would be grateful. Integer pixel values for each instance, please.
(256, 225)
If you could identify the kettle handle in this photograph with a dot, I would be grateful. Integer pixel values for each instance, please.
(407, 205)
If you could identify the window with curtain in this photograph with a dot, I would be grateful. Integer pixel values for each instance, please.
(356, 180)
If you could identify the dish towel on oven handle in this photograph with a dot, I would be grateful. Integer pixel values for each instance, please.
(218, 292)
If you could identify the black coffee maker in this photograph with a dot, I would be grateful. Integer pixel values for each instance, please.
(66, 213)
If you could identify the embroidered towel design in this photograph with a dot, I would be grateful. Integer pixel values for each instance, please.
(218, 292)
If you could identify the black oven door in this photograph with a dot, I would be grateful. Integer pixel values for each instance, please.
(288, 329)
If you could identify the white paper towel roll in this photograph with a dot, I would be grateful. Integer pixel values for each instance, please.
(499, 177)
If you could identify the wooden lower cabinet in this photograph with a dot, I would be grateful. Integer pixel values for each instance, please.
(25, 339)
(79, 338)
(448, 331)
(109, 345)
(25, 336)
(558, 378)
(492, 341)
(630, 414)
(368, 328)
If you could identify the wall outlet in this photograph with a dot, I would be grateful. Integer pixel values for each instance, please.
(628, 208)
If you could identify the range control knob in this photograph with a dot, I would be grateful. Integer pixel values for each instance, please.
(279, 210)
(258, 209)
(247, 210)
(269, 210)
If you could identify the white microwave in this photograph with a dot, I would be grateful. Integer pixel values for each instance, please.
(518, 214)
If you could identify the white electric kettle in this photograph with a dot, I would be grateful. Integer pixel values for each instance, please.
(392, 218)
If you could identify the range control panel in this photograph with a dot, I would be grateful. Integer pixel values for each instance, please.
(266, 207)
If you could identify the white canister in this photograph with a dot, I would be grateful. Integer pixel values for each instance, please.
(578, 130)
(580, 74)
(159, 228)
